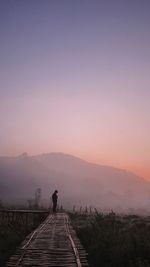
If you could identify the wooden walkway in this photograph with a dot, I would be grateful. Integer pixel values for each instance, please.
(53, 244)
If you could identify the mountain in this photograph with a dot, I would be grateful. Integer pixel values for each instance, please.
(78, 182)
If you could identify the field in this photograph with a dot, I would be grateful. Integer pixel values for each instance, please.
(114, 240)
(111, 240)
(9, 239)
(11, 235)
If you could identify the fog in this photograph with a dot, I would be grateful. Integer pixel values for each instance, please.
(79, 183)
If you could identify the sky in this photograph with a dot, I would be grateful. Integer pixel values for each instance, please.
(75, 78)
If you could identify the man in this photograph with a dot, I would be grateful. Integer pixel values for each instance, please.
(54, 200)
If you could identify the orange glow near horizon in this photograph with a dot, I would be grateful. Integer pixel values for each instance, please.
(139, 169)
(75, 79)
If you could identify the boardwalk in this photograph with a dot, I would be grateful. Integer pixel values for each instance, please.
(53, 243)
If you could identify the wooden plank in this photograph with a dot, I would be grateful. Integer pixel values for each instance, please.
(53, 243)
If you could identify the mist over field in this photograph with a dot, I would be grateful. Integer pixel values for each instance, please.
(79, 183)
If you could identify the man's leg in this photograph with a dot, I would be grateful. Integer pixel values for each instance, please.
(54, 207)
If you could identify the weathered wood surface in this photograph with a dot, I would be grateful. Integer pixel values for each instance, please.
(53, 244)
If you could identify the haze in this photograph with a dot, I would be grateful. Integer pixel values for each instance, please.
(74, 77)
(79, 183)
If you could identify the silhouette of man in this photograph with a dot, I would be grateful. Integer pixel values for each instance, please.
(54, 200)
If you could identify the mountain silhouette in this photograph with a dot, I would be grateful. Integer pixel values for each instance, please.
(78, 182)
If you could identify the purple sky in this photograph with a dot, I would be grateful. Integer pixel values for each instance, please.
(75, 78)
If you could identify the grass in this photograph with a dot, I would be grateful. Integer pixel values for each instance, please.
(9, 239)
(11, 236)
(112, 240)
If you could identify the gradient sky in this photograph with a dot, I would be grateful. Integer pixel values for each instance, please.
(75, 78)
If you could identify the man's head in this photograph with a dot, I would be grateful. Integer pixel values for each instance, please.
(56, 191)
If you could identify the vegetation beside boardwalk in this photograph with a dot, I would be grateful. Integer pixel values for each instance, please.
(9, 240)
(112, 240)
(11, 235)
